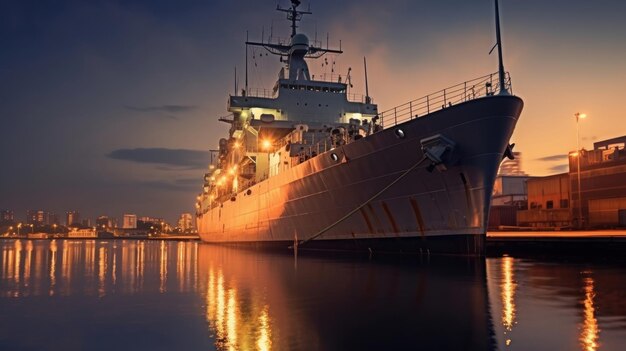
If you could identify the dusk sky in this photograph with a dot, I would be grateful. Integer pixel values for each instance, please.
(110, 107)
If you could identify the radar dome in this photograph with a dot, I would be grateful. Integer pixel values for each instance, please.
(300, 39)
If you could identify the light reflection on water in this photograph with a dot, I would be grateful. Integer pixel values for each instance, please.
(507, 288)
(162, 295)
(91, 267)
(589, 331)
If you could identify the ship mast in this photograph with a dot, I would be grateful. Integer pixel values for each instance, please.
(293, 14)
(284, 50)
(501, 73)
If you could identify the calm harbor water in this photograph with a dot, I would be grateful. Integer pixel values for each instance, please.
(153, 295)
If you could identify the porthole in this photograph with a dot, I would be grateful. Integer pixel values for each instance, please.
(334, 157)
(400, 133)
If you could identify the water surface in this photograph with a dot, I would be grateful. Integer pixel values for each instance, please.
(156, 295)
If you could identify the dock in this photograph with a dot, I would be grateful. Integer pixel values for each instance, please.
(579, 243)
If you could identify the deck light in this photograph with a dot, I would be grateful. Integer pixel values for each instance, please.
(266, 144)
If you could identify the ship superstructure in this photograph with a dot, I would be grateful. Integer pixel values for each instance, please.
(308, 163)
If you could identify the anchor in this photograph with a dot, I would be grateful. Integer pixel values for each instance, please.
(508, 153)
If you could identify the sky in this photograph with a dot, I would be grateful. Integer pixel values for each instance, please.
(110, 106)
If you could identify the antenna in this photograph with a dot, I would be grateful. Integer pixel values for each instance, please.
(501, 73)
(235, 81)
(246, 62)
(284, 49)
(294, 15)
(367, 91)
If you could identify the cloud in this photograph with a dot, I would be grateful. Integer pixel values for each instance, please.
(559, 169)
(552, 158)
(190, 159)
(162, 108)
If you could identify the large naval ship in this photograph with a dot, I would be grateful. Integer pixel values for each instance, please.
(308, 165)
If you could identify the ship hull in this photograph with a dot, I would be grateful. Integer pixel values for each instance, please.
(425, 210)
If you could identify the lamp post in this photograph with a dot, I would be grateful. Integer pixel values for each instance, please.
(579, 116)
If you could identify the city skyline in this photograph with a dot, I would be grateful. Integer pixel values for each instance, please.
(73, 218)
(112, 106)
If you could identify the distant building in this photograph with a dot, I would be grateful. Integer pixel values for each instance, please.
(40, 217)
(555, 201)
(104, 222)
(86, 222)
(510, 190)
(512, 167)
(151, 220)
(72, 218)
(185, 222)
(36, 217)
(52, 219)
(88, 233)
(7, 216)
(602, 194)
(151, 224)
(548, 202)
(509, 195)
(130, 221)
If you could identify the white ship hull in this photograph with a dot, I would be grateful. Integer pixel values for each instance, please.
(434, 211)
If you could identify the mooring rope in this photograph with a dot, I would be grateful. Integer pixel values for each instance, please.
(318, 234)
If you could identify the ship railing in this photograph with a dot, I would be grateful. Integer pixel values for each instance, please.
(270, 93)
(329, 77)
(359, 98)
(472, 89)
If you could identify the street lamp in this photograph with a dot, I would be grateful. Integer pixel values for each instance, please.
(579, 116)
